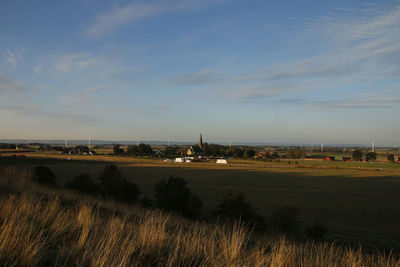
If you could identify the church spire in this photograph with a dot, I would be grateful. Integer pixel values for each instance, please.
(201, 141)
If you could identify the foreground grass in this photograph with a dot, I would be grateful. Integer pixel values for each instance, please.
(357, 206)
(41, 227)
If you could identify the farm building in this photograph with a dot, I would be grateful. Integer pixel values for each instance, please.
(330, 158)
(221, 161)
(346, 159)
(261, 154)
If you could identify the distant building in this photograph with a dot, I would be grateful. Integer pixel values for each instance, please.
(261, 154)
(346, 158)
(196, 150)
(330, 158)
(221, 161)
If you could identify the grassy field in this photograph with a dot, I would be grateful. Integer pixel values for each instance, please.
(357, 205)
(55, 227)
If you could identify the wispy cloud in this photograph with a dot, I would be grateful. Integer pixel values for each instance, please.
(12, 58)
(15, 101)
(108, 21)
(196, 78)
(85, 97)
(136, 11)
(359, 47)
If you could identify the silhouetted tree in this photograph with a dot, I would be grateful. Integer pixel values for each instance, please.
(116, 186)
(44, 175)
(84, 184)
(174, 195)
(233, 207)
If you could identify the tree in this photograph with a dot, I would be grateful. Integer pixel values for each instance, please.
(173, 195)
(390, 157)
(357, 155)
(117, 150)
(145, 150)
(370, 156)
(132, 150)
(171, 151)
(116, 186)
(249, 153)
(44, 175)
(296, 153)
(232, 207)
(83, 184)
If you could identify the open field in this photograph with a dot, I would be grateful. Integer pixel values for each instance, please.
(357, 205)
(55, 227)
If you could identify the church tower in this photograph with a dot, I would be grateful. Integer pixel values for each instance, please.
(201, 141)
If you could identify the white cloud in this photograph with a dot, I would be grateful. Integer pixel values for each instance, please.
(360, 47)
(106, 22)
(136, 11)
(37, 69)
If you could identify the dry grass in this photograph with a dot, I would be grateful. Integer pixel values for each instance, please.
(41, 228)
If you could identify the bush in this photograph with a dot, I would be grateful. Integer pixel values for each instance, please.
(357, 155)
(233, 207)
(83, 184)
(285, 220)
(173, 195)
(43, 175)
(115, 186)
(316, 231)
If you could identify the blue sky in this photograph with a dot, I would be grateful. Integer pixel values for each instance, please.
(246, 71)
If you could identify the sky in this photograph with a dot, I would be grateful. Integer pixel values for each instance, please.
(247, 71)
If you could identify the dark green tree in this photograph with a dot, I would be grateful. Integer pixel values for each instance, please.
(232, 207)
(357, 155)
(115, 186)
(390, 157)
(370, 156)
(249, 153)
(117, 150)
(173, 195)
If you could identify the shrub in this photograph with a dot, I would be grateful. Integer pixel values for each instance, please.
(232, 207)
(44, 175)
(285, 220)
(115, 186)
(83, 184)
(357, 155)
(316, 231)
(174, 195)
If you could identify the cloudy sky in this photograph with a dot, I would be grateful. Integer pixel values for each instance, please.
(250, 71)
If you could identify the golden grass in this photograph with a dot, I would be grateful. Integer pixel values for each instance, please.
(49, 228)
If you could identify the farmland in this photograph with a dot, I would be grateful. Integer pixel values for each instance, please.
(357, 205)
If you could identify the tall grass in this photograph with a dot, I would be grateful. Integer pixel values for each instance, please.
(63, 230)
